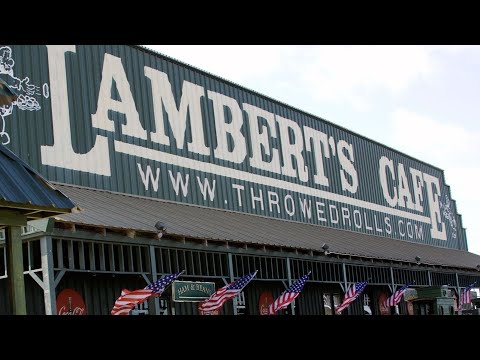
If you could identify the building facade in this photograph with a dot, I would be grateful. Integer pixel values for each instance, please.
(176, 169)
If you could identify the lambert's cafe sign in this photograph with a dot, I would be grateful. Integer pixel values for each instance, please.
(124, 119)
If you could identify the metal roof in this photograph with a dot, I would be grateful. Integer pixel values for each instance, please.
(25, 190)
(114, 210)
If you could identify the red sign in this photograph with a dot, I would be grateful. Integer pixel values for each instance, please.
(70, 302)
(266, 298)
(384, 310)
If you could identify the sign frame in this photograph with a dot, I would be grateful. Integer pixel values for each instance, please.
(191, 286)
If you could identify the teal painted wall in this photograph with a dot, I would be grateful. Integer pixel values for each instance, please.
(125, 119)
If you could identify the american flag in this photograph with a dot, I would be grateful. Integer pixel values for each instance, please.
(159, 286)
(465, 298)
(129, 299)
(288, 295)
(355, 290)
(216, 300)
(396, 296)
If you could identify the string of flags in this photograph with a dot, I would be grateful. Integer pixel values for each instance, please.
(129, 299)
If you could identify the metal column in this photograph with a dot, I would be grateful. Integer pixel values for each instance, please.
(344, 267)
(458, 290)
(153, 268)
(230, 270)
(289, 277)
(48, 276)
(393, 289)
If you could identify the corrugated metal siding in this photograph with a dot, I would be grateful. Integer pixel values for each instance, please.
(127, 212)
(310, 300)
(99, 291)
(33, 296)
(255, 289)
(30, 131)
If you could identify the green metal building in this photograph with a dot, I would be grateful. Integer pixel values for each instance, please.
(177, 169)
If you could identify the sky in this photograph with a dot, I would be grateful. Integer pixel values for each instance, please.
(420, 100)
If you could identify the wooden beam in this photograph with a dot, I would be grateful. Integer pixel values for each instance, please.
(12, 218)
(15, 270)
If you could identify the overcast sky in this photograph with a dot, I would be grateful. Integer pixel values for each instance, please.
(421, 100)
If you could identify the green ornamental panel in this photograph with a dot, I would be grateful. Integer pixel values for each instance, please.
(125, 119)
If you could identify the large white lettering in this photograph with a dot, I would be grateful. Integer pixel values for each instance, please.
(113, 71)
(292, 149)
(147, 177)
(347, 167)
(61, 153)
(233, 128)
(383, 164)
(319, 139)
(432, 196)
(403, 189)
(260, 139)
(177, 117)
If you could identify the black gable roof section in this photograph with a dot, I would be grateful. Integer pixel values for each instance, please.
(114, 210)
(24, 190)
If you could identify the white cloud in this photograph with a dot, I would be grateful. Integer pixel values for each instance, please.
(338, 74)
(437, 143)
(237, 63)
(464, 182)
(452, 148)
(350, 74)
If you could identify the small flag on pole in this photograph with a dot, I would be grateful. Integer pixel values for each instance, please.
(465, 298)
(354, 291)
(218, 298)
(288, 295)
(396, 296)
(129, 299)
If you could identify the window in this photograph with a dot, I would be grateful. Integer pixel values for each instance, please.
(28, 230)
(2, 234)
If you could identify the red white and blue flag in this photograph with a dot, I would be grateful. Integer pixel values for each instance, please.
(396, 296)
(218, 298)
(354, 291)
(288, 295)
(465, 297)
(129, 299)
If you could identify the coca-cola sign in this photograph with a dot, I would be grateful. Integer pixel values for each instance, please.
(70, 302)
(266, 298)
